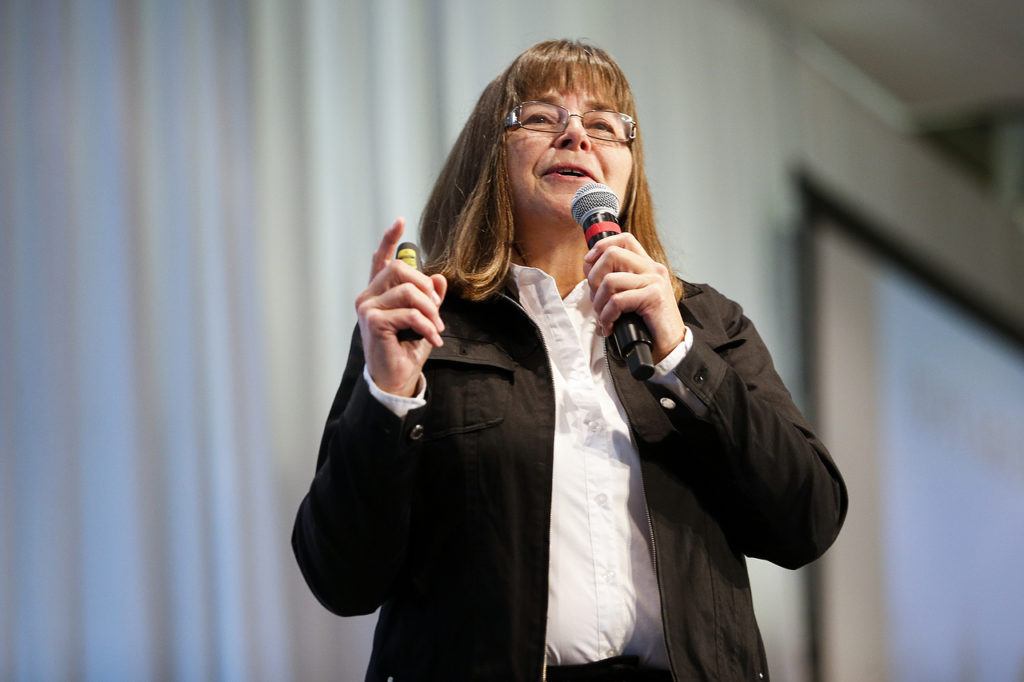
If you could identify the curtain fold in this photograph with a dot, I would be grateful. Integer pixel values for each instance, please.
(189, 195)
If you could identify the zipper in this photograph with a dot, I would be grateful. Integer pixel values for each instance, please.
(650, 523)
(551, 381)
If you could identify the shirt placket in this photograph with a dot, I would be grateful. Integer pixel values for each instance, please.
(593, 437)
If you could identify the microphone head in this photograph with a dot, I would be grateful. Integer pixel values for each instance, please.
(591, 198)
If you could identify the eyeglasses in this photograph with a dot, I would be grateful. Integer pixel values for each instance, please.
(545, 117)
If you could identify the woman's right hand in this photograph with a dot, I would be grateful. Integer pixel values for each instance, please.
(398, 298)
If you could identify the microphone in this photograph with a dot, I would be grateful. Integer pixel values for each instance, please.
(596, 208)
(409, 253)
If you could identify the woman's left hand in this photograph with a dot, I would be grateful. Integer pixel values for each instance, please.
(623, 278)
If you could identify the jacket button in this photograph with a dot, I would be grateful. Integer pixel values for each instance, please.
(416, 432)
(668, 403)
(699, 377)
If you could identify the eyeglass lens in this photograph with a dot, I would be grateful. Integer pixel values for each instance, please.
(604, 125)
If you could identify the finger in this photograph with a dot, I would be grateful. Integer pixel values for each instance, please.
(623, 240)
(631, 300)
(408, 295)
(396, 273)
(609, 304)
(440, 286)
(616, 282)
(617, 259)
(388, 243)
(392, 321)
(389, 302)
(411, 318)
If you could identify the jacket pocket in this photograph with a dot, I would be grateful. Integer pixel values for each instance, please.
(468, 385)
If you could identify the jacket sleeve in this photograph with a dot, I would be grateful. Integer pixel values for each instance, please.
(785, 500)
(351, 532)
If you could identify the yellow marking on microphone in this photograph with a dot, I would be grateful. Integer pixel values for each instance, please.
(408, 253)
(407, 256)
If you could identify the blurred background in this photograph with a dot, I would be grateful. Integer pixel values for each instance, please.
(189, 195)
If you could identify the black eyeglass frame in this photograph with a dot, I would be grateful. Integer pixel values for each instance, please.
(512, 121)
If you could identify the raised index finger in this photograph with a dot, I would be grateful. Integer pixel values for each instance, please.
(385, 253)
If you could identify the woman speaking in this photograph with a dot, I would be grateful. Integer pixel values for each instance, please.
(492, 475)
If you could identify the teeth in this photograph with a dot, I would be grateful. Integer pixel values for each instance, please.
(567, 171)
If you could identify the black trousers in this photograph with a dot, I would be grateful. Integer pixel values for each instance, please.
(617, 669)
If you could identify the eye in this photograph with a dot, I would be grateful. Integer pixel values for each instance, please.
(604, 123)
(537, 118)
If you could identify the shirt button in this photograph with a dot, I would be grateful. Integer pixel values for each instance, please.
(609, 577)
(595, 426)
(610, 653)
(668, 403)
(602, 500)
(416, 432)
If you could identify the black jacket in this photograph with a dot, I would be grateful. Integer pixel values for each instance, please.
(442, 518)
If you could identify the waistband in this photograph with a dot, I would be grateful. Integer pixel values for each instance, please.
(617, 669)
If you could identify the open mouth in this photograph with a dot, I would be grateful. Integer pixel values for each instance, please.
(568, 172)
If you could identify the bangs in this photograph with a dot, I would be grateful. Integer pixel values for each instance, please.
(570, 66)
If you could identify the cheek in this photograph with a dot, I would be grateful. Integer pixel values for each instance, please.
(622, 172)
(512, 169)
(518, 153)
(519, 178)
(516, 166)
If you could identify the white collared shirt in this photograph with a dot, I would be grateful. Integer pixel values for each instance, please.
(603, 597)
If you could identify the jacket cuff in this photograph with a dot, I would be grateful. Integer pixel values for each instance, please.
(701, 372)
(665, 375)
(365, 414)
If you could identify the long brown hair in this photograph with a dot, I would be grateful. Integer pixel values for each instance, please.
(467, 228)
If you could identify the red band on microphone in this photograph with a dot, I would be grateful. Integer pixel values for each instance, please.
(598, 228)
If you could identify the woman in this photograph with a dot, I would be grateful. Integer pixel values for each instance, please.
(515, 502)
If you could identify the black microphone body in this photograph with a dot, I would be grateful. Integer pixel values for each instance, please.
(409, 253)
(599, 217)
(596, 208)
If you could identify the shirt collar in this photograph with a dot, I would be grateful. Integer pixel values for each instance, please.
(525, 275)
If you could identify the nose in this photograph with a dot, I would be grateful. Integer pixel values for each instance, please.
(575, 135)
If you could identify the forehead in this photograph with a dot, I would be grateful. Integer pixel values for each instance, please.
(584, 99)
(552, 82)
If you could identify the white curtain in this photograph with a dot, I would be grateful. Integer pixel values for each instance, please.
(189, 193)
